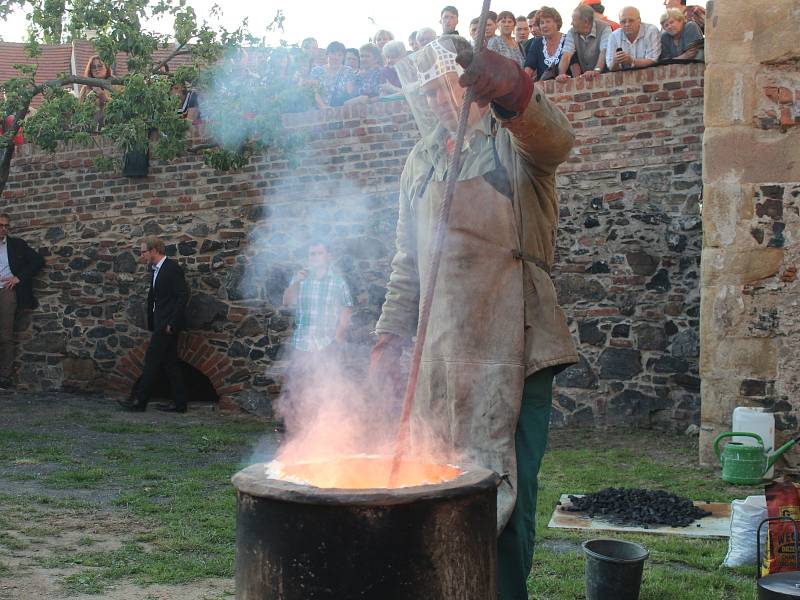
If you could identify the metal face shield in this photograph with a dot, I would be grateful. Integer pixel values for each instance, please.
(429, 78)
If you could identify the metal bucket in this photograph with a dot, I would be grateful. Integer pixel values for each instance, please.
(298, 542)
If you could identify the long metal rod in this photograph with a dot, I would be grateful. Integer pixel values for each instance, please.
(453, 172)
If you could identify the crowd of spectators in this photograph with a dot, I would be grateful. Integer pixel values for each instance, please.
(337, 75)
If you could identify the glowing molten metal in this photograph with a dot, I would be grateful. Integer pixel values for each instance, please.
(361, 472)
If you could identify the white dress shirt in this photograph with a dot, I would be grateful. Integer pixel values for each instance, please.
(156, 269)
(646, 45)
(5, 268)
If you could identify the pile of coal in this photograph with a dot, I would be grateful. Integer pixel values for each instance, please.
(638, 507)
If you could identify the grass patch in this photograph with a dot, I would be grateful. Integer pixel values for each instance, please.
(682, 568)
(86, 541)
(11, 542)
(25, 501)
(22, 447)
(77, 478)
(85, 582)
(5, 570)
(123, 427)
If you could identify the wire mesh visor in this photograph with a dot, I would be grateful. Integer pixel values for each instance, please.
(429, 78)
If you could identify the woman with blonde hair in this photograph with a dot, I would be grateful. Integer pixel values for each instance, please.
(681, 39)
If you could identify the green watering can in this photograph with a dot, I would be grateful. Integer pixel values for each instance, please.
(746, 465)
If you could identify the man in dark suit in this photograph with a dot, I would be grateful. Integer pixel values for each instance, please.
(18, 264)
(166, 303)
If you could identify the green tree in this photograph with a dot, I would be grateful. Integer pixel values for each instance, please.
(141, 112)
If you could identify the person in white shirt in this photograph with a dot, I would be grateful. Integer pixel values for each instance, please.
(634, 44)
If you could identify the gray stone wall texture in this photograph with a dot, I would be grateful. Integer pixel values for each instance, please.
(627, 262)
(751, 250)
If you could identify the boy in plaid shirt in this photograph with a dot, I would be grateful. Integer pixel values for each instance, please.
(323, 302)
(323, 308)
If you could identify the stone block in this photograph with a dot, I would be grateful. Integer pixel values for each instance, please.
(731, 149)
(730, 94)
(620, 363)
(719, 399)
(79, 369)
(579, 375)
(721, 266)
(739, 32)
(739, 357)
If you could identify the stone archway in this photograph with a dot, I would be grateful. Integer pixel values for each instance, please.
(194, 350)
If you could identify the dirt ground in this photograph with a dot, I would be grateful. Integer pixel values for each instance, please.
(40, 524)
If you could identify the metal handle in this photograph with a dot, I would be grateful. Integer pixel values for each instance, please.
(758, 543)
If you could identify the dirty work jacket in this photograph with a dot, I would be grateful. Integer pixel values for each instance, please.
(471, 374)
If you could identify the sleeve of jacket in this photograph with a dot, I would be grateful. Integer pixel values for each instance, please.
(541, 134)
(401, 307)
(31, 263)
(181, 292)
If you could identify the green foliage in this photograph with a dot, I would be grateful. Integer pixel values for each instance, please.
(61, 118)
(47, 17)
(145, 106)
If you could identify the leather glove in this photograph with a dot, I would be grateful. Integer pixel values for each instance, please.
(384, 359)
(495, 78)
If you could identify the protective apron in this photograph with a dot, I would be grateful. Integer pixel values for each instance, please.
(473, 368)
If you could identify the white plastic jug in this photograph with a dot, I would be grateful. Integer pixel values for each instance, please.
(755, 420)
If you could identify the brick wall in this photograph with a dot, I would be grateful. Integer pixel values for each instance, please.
(627, 265)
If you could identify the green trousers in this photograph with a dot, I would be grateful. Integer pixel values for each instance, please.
(515, 544)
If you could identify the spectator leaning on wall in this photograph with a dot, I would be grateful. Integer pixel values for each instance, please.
(18, 265)
(682, 39)
(696, 14)
(586, 42)
(635, 44)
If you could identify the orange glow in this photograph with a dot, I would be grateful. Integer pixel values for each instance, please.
(362, 472)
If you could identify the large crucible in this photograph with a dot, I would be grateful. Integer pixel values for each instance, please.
(296, 541)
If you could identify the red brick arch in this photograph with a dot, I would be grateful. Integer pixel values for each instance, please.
(192, 349)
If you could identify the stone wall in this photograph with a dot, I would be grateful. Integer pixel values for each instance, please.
(750, 332)
(627, 264)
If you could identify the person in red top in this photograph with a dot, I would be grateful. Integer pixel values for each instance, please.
(8, 125)
(599, 9)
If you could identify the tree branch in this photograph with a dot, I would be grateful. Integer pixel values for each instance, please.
(201, 147)
(175, 53)
(70, 79)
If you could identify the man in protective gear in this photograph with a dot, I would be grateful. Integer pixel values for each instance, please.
(496, 335)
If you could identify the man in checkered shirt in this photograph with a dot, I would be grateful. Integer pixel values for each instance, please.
(323, 303)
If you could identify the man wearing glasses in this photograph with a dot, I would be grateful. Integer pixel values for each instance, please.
(635, 44)
(18, 265)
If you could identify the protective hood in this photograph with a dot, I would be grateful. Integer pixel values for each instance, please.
(429, 78)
